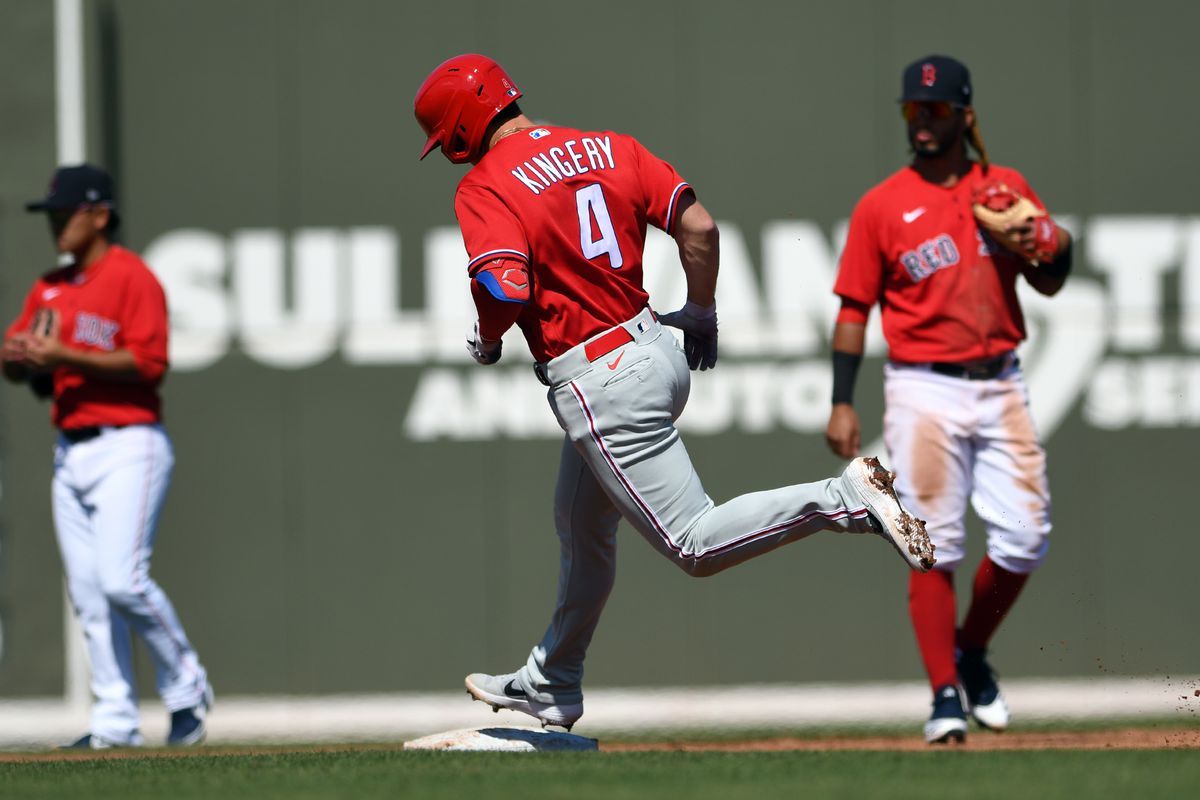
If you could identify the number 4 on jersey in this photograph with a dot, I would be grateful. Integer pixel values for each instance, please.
(590, 201)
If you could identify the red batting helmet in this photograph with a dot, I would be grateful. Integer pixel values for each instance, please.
(458, 100)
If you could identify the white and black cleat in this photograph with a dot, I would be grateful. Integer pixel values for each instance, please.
(503, 691)
(983, 699)
(948, 722)
(906, 533)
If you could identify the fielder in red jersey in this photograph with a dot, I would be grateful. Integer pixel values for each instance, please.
(554, 220)
(92, 335)
(946, 293)
(116, 305)
(957, 425)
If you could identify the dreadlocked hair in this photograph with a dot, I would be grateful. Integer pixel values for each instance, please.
(976, 142)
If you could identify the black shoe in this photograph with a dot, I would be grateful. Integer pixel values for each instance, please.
(90, 741)
(187, 724)
(984, 699)
(187, 727)
(948, 722)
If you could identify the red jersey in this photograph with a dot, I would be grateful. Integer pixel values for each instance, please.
(116, 303)
(947, 293)
(573, 205)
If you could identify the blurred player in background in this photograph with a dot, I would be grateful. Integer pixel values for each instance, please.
(957, 425)
(93, 336)
(554, 221)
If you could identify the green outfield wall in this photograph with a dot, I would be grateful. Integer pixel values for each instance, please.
(357, 507)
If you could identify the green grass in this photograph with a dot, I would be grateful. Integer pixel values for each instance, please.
(906, 729)
(613, 776)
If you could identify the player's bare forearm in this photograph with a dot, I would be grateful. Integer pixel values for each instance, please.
(699, 251)
(849, 337)
(118, 365)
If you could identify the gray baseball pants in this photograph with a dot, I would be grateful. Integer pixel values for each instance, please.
(623, 458)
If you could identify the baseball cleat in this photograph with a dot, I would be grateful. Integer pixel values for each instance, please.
(188, 724)
(906, 533)
(984, 699)
(92, 741)
(503, 691)
(948, 722)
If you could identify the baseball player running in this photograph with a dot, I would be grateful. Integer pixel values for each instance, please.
(93, 334)
(940, 245)
(554, 220)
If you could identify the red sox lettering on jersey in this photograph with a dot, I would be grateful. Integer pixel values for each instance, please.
(92, 329)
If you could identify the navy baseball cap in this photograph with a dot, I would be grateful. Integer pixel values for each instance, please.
(75, 187)
(936, 79)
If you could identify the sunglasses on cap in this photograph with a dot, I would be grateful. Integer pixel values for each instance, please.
(912, 110)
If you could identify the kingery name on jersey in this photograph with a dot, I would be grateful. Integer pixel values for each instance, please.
(559, 163)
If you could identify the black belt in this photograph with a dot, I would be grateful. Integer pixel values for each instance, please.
(77, 435)
(977, 371)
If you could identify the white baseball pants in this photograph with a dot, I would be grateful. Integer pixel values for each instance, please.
(107, 494)
(952, 440)
(623, 458)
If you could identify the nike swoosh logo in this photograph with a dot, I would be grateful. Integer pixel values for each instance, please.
(910, 216)
(613, 364)
(50, 294)
(512, 690)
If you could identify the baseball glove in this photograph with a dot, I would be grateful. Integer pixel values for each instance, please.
(1009, 218)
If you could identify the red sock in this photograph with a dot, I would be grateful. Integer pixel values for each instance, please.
(931, 607)
(994, 593)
